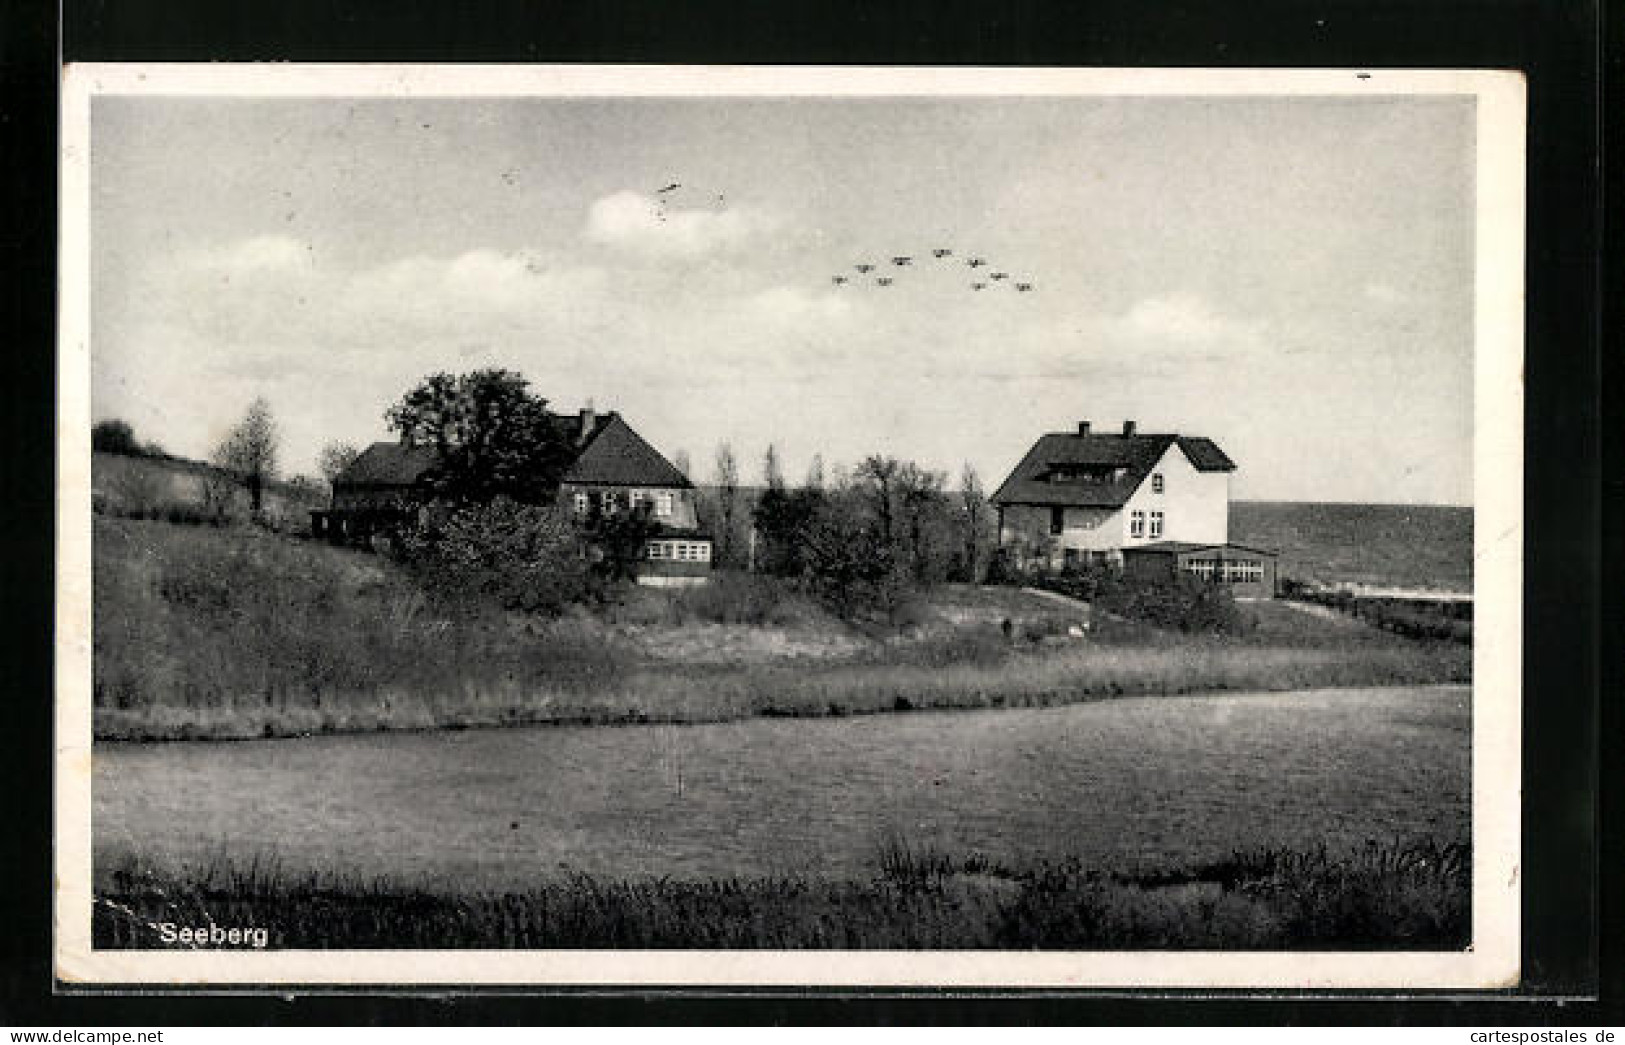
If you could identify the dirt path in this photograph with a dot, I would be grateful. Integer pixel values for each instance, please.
(1323, 612)
(1055, 596)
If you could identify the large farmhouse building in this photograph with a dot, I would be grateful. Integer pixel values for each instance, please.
(614, 470)
(1086, 497)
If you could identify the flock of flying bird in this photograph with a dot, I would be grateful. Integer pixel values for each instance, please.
(945, 254)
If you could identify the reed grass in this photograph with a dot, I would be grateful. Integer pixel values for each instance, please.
(1410, 895)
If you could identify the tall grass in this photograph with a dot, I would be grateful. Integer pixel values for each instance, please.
(238, 633)
(1414, 895)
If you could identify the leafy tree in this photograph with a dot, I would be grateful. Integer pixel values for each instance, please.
(876, 481)
(249, 452)
(785, 521)
(114, 437)
(846, 560)
(925, 535)
(908, 508)
(335, 458)
(973, 500)
(520, 557)
(619, 537)
(493, 435)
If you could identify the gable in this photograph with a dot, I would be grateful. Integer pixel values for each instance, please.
(615, 455)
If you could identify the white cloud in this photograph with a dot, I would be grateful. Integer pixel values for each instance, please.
(1184, 320)
(632, 221)
(476, 287)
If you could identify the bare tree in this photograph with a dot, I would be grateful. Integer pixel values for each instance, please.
(335, 458)
(250, 451)
(878, 475)
(974, 499)
(727, 497)
(815, 473)
(679, 461)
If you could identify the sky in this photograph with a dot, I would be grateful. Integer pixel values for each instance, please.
(1291, 277)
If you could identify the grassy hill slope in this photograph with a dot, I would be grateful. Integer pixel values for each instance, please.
(240, 632)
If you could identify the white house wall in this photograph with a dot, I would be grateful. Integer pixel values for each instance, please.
(1195, 505)
(684, 514)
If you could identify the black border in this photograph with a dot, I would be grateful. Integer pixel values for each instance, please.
(1557, 44)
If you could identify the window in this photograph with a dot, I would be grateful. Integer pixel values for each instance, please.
(1057, 520)
(1136, 524)
(1069, 557)
(1231, 571)
(1245, 571)
(1156, 482)
(607, 502)
(703, 552)
(583, 503)
(663, 503)
(656, 549)
(1156, 524)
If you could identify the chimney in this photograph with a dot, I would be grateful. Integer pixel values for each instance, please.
(1128, 428)
(589, 418)
(1083, 427)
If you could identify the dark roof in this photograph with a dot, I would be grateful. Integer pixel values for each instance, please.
(388, 464)
(1136, 455)
(614, 455)
(1184, 547)
(569, 425)
(611, 455)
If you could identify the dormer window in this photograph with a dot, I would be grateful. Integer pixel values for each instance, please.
(1156, 482)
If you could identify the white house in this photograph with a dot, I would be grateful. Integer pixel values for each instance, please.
(1082, 497)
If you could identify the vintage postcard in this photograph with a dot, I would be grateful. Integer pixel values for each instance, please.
(789, 527)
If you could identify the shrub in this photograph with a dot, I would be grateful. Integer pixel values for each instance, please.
(518, 556)
(1186, 604)
(114, 437)
(1182, 603)
(747, 599)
